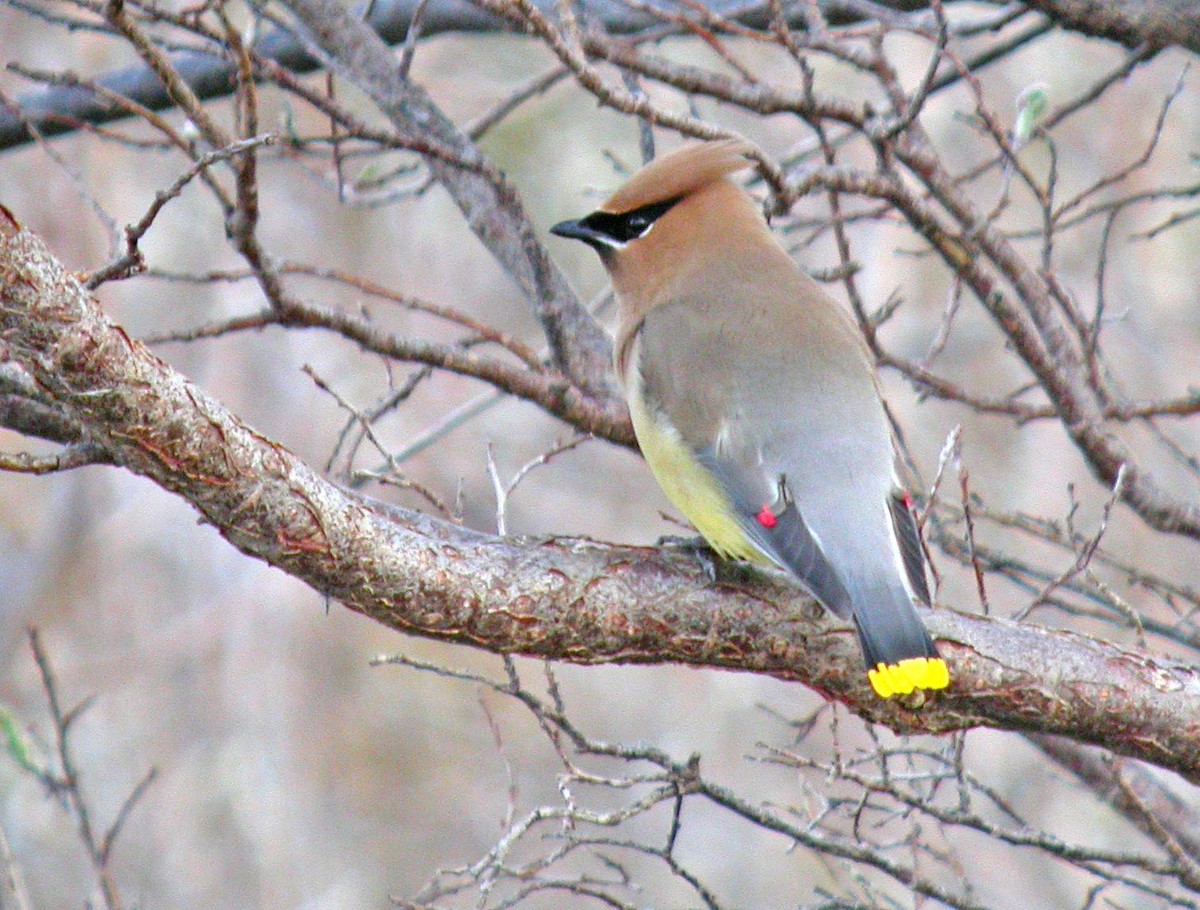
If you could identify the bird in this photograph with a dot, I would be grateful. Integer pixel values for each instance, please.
(756, 404)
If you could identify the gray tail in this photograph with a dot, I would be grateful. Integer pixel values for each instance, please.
(888, 626)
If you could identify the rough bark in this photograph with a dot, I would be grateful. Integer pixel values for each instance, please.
(1158, 23)
(562, 599)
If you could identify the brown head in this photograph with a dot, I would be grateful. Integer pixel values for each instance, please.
(676, 216)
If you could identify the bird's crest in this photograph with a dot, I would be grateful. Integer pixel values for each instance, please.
(679, 173)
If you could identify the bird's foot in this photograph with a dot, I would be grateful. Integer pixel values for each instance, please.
(698, 549)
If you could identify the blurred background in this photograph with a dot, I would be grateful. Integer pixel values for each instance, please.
(293, 774)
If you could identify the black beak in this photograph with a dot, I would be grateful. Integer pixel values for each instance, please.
(579, 229)
(576, 230)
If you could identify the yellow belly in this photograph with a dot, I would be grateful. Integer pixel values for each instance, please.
(690, 486)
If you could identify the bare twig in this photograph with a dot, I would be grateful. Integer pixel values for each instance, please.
(504, 489)
(67, 782)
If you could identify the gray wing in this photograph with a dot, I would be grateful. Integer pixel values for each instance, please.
(784, 454)
(911, 550)
(775, 525)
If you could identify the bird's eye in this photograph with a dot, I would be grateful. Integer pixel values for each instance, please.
(635, 224)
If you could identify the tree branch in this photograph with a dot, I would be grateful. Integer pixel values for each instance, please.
(563, 599)
(1132, 790)
(1158, 23)
(491, 206)
(62, 108)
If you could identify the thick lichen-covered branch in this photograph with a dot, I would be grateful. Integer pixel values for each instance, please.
(562, 599)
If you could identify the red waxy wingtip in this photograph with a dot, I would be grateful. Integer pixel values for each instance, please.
(767, 518)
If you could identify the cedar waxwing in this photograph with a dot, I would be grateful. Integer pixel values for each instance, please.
(755, 402)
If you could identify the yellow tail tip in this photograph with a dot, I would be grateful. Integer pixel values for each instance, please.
(913, 673)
